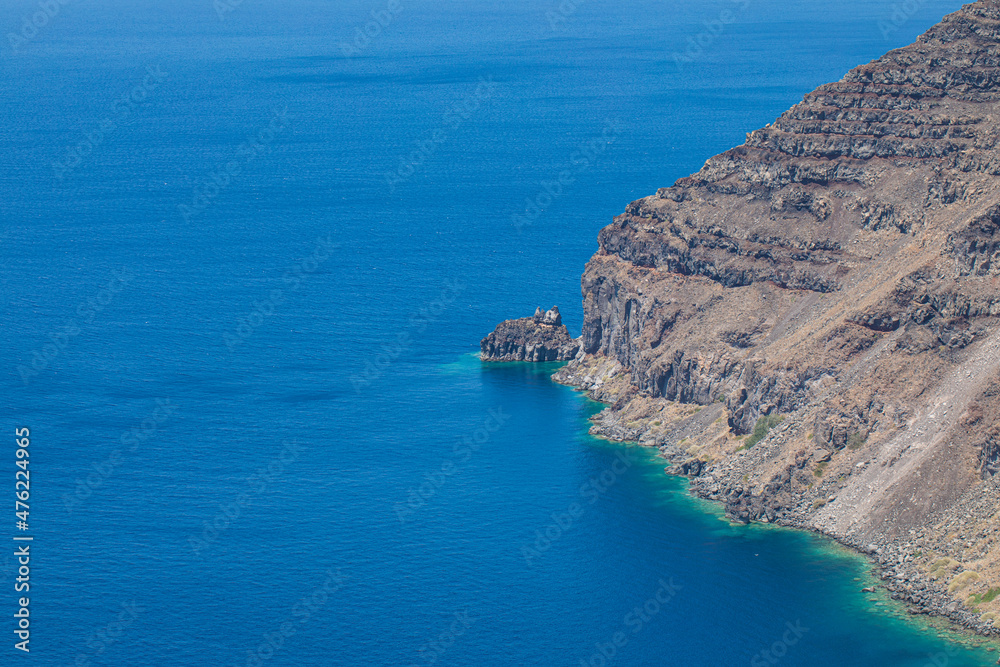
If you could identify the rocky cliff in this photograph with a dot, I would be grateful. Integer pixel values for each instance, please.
(808, 326)
(540, 338)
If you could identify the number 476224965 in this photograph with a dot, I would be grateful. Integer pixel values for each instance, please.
(22, 486)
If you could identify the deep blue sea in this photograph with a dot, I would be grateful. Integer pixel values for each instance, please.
(247, 252)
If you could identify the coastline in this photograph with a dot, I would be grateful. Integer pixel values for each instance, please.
(808, 328)
(920, 595)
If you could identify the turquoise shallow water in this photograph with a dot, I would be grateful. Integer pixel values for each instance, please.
(258, 433)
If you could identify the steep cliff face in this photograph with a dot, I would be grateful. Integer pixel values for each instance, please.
(828, 294)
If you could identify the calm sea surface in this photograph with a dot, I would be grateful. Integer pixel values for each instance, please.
(248, 251)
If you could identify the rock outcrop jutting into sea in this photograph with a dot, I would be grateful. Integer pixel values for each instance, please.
(540, 338)
(809, 325)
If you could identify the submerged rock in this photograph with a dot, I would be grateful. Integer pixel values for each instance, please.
(542, 337)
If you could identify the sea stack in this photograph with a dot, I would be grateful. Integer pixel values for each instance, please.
(542, 337)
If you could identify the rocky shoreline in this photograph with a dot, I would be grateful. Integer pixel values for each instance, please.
(892, 560)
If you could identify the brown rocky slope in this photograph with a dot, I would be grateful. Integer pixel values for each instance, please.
(809, 325)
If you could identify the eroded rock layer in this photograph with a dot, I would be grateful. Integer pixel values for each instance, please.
(540, 338)
(809, 325)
